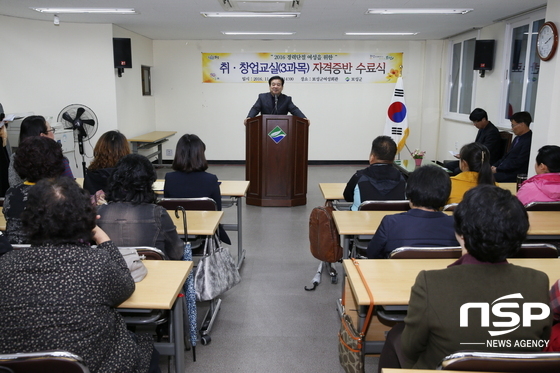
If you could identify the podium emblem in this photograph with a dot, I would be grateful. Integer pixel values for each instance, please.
(277, 134)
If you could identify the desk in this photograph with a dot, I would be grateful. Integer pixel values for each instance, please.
(403, 273)
(159, 290)
(199, 223)
(333, 192)
(149, 140)
(543, 224)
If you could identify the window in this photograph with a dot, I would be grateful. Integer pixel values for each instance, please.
(461, 77)
(522, 77)
(146, 81)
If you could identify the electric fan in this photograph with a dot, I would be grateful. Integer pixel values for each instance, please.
(83, 121)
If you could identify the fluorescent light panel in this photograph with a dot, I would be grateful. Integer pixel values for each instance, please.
(256, 33)
(380, 33)
(249, 15)
(86, 10)
(418, 11)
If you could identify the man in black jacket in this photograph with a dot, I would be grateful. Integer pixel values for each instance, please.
(516, 161)
(488, 135)
(381, 180)
(274, 102)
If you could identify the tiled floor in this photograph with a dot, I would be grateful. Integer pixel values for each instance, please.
(269, 323)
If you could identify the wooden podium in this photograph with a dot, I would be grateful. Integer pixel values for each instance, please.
(276, 160)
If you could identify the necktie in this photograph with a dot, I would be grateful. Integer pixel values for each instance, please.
(275, 104)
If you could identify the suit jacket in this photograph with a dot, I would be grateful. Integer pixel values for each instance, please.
(432, 325)
(489, 136)
(265, 105)
(516, 161)
(412, 228)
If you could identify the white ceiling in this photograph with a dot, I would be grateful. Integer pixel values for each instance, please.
(319, 20)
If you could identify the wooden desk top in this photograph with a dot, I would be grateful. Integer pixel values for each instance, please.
(366, 222)
(332, 191)
(202, 223)
(390, 280)
(153, 136)
(159, 289)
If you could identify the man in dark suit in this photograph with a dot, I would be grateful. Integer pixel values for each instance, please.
(488, 135)
(516, 161)
(274, 102)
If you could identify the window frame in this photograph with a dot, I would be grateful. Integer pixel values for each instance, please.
(462, 38)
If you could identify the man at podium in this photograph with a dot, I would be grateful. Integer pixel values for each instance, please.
(274, 102)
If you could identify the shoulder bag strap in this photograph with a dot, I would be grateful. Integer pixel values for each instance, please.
(370, 295)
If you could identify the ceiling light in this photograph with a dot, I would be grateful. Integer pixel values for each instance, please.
(250, 14)
(87, 10)
(418, 11)
(381, 33)
(256, 33)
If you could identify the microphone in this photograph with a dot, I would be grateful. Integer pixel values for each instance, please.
(275, 104)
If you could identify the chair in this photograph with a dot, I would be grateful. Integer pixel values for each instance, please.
(450, 207)
(536, 362)
(505, 142)
(44, 362)
(196, 204)
(361, 241)
(146, 316)
(390, 315)
(536, 250)
(543, 206)
(444, 252)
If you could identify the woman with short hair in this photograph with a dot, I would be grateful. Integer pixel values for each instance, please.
(424, 224)
(61, 293)
(131, 216)
(545, 185)
(31, 126)
(190, 179)
(37, 158)
(110, 147)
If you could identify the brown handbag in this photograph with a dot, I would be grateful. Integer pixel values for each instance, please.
(324, 239)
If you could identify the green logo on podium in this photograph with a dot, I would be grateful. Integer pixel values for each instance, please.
(277, 134)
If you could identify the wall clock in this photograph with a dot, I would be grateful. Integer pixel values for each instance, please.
(547, 41)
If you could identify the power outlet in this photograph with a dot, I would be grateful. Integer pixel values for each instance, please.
(169, 152)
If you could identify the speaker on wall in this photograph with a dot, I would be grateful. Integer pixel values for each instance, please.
(484, 55)
(122, 53)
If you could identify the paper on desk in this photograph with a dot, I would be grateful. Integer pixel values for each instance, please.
(158, 185)
(455, 154)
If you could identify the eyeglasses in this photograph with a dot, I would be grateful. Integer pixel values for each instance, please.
(51, 130)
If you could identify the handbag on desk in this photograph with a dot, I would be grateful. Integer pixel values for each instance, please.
(135, 265)
(216, 272)
(350, 341)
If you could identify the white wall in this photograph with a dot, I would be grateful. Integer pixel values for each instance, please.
(344, 118)
(44, 68)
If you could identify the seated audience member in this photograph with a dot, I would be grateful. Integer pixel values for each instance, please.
(37, 158)
(379, 181)
(131, 217)
(110, 147)
(475, 168)
(424, 224)
(190, 179)
(35, 125)
(487, 135)
(516, 161)
(490, 224)
(554, 342)
(545, 185)
(60, 293)
(5, 154)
